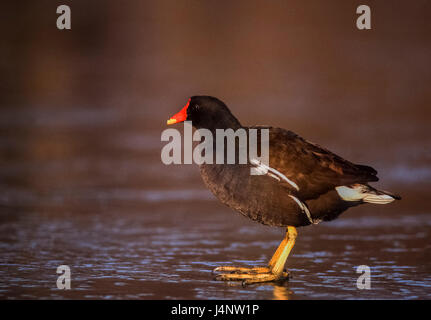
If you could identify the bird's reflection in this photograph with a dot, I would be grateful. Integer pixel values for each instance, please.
(282, 292)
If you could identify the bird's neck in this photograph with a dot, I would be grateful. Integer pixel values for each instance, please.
(220, 123)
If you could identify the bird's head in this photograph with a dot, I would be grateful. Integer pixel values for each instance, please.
(206, 112)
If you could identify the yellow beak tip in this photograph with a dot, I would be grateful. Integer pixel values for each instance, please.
(171, 121)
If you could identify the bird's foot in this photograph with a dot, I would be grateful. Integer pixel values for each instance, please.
(250, 275)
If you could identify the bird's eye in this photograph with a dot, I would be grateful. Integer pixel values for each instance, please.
(197, 107)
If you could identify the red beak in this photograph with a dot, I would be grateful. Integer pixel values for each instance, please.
(180, 116)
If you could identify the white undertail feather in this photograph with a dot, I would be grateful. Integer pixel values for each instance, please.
(364, 193)
(378, 198)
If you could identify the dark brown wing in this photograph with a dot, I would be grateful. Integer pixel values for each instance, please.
(314, 169)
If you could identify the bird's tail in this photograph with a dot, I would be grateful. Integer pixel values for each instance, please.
(366, 193)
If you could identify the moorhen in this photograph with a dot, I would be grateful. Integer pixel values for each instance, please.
(304, 184)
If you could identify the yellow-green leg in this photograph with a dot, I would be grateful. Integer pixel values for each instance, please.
(274, 270)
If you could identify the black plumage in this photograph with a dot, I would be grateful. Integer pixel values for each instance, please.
(315, 183)
(315, 170)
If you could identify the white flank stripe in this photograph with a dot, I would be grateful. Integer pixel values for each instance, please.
(275, 173)
(304, 209)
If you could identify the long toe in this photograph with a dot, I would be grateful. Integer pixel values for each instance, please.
(249, 278)
(233, 269)
(266, 278)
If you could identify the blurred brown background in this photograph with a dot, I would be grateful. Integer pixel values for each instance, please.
(301, 65)
(82, 110)
(288, 57)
